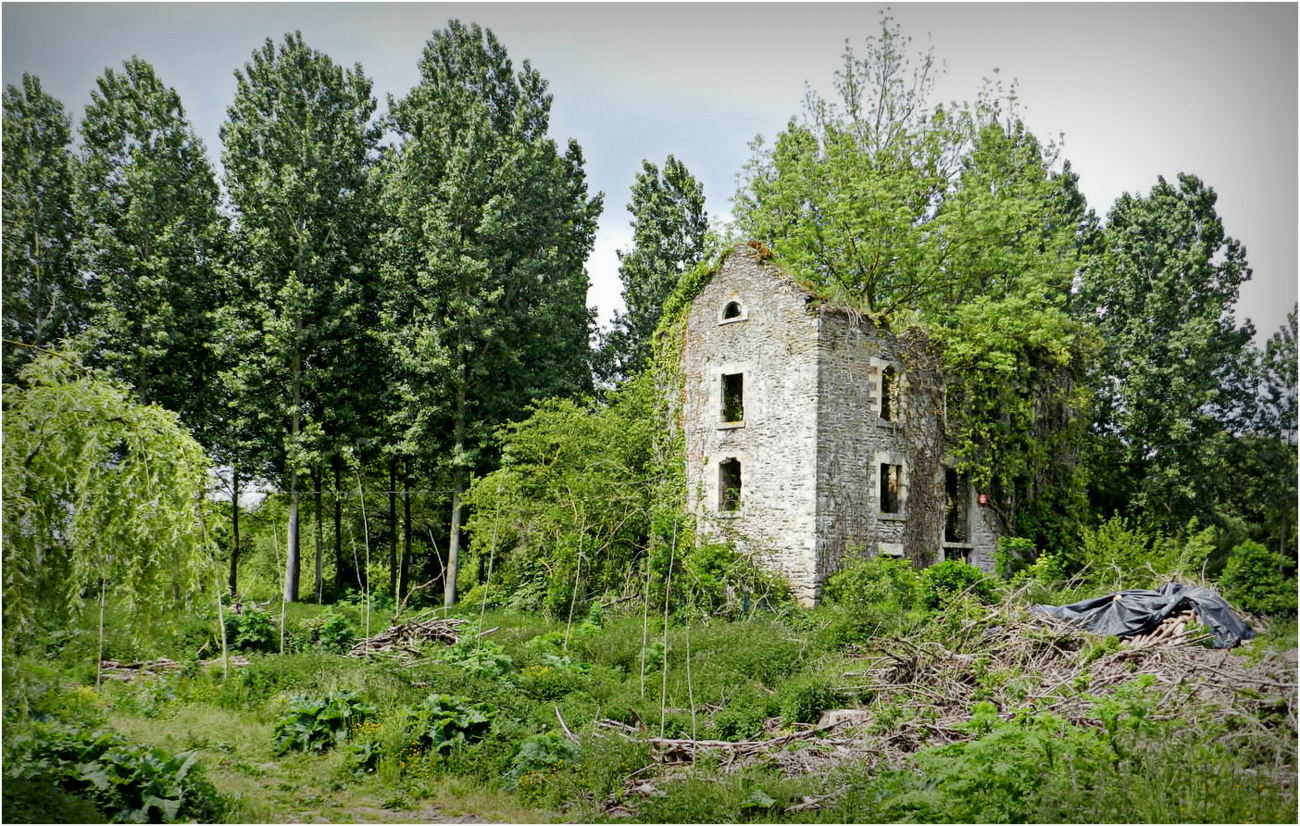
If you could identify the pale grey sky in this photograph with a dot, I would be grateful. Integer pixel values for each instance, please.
(1139, 90)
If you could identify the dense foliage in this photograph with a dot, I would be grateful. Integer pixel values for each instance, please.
(125, 782)
(46, 300)
(1161, 292)
(669, 228)
(101, 501)
(392, 313)
(318, 723)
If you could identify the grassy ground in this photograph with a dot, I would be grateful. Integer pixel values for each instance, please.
(1088, 751)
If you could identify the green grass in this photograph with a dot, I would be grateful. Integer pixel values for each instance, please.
(724, 680)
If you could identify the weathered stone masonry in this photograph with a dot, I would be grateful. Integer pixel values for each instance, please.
(808, 449)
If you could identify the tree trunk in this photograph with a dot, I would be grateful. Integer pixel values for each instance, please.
(453, 543)
(291, 557)
(344, 575)
(320, 543)
(404, 581)
(457, 481)
(392, 526)
(234, 530)
(291, 562)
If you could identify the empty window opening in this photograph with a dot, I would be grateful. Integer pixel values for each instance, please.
(733, 397)
(956, 525)
(889, 394)
(729, 485)
(891, 488)
(732, 310)
(957, 554)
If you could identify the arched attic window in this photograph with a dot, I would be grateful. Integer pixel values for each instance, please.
(732, 310)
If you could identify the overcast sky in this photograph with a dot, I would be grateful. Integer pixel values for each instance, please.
(1139, 90)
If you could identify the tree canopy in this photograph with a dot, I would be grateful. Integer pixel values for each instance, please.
(153, 241)
(45, 296)
(669, 228)
(100, 492)
(484, 291)
(1161, 293)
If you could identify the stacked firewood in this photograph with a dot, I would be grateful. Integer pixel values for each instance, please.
(408, 637)
(1177, 629)
(126, 672)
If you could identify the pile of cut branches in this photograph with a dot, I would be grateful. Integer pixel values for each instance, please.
(126, 672)
(408, 637)
(1017, 660)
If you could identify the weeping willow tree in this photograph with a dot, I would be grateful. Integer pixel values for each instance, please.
(102, 500)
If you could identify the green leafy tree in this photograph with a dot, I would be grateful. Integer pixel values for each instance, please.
(147, 205)
(1160, 292)
(484, 288)
(572, 499)
(958, 227)
(298, 146)
(1261, 459)
(101, 494)
(847, 196)
(45, 298)
(669, 226)
(1276, 390)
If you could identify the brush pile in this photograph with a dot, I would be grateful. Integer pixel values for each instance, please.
(1183, 628)
(922, 693)
(126, 672)
(407, 638)
(1031, 659)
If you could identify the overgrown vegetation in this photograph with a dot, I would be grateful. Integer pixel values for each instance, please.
(610, 663)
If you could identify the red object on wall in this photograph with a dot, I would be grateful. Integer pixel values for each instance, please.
(983, 499)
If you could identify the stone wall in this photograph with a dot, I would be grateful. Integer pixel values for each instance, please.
(773, 343)
(852, 441)
(812, 439)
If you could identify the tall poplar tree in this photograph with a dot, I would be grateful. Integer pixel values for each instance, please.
(484, 288)
(1161, 293)
(45, 298)
(669, 226)
(298, 144)
(153, 241)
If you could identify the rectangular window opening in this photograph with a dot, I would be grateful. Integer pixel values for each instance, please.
(733, 397)
(891, 488)
(889, 394)
(729, 485)
(956, 526)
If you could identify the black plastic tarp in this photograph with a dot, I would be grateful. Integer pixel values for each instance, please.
(1130, 613)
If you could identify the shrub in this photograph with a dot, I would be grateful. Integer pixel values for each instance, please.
(804, 701)
(318, 723)
(994, 778)
(553, 678)
(480, 657)
(744, 716)
(124, 781)
(1255, 580)
(1118, 556)
(878, 581)
(941, 582)
(333, 632)
(252, 630)
(441, 722)
(1013, 555)
(541, 754)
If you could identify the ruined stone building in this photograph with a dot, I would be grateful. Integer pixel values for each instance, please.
(795, 431)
